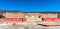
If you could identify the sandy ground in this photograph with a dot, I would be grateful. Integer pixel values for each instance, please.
(22, 27)
(28, 27)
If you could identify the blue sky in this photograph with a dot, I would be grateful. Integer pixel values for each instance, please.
(31, 5)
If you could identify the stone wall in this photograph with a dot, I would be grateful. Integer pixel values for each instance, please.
(18, 15)
(30, 19)
(44, 15)
(13, 15)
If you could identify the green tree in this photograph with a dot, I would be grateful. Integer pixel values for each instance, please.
(1, 16)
